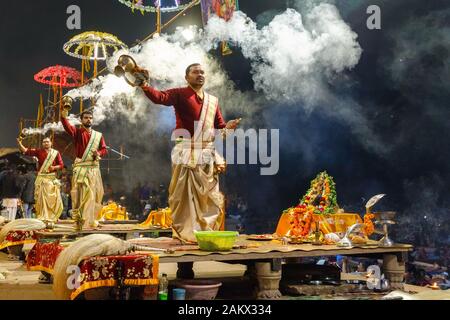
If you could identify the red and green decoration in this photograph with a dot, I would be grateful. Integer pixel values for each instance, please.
(321, 195)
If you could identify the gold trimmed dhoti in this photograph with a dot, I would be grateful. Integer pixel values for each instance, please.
(194, 197)
(47, 195)
(87, 191)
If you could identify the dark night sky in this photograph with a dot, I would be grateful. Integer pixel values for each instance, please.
(408, 103)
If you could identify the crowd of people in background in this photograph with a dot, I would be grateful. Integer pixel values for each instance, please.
(17, 193)
(17, 189)
(139, 200)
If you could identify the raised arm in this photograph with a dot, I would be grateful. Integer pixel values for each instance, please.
(167, 98)
(22, 148)
(70, 129)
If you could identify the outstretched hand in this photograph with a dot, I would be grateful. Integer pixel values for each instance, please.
(221, 168)
(232, 124)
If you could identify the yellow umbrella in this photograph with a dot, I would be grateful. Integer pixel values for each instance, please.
(92, 45)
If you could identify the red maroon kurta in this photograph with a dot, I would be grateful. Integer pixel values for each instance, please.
(81, 139)
(187, 104)
(41, 154)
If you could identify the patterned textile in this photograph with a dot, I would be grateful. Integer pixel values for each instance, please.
(100, 271)
(18, 237)
(42, 256)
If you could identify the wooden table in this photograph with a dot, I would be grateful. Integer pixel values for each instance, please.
(126, 234)
(265, 267)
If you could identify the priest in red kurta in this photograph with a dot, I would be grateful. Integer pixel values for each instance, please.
(47, 188)
(87, 186)
(194, 197)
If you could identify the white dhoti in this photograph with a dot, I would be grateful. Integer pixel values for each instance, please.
(47, 195)
(87, 191)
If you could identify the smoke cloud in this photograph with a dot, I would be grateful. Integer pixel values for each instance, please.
(297, 62)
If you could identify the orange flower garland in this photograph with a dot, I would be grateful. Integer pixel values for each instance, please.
(323, 189)
(368, 228)
(302, 218)
(319, 199)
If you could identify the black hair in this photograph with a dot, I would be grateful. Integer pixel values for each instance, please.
(188, 69)
(86, 112)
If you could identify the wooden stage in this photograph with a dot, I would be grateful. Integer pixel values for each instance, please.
(264, 260)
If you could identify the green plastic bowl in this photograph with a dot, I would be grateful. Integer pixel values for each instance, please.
(216, 240)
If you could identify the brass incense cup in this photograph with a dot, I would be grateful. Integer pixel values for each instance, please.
(67, 103)
(128, 69)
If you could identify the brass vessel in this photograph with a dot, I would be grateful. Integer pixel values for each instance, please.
(128, 69)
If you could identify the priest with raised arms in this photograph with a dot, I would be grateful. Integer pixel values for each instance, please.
(87, 186)
(194, 197)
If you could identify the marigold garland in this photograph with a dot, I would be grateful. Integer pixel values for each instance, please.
(302, 217)
(319, 199)
(368, 228)
(322, 194)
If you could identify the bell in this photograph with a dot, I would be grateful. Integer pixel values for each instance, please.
(67, 102)
(128, 69)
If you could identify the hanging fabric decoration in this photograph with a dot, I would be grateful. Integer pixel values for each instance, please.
(223, 9)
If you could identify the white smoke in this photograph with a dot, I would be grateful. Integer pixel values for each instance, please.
(166, 58)
(51, 126)
(291, 55)
(295, 60)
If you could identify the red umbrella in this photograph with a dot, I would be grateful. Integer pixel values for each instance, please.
(61, 76)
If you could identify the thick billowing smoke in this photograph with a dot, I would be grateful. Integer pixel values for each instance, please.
(166, 57)
(294, 61)
(293, 55)
(298, 59)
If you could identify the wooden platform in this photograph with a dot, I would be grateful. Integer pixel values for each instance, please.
(264, 261)
(194, 255)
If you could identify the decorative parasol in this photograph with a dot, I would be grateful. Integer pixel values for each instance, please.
(154, 5)
(60, 76)
(57, 77)
(93, 45)
(161, 6)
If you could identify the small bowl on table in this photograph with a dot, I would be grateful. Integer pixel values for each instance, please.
(216, 240)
